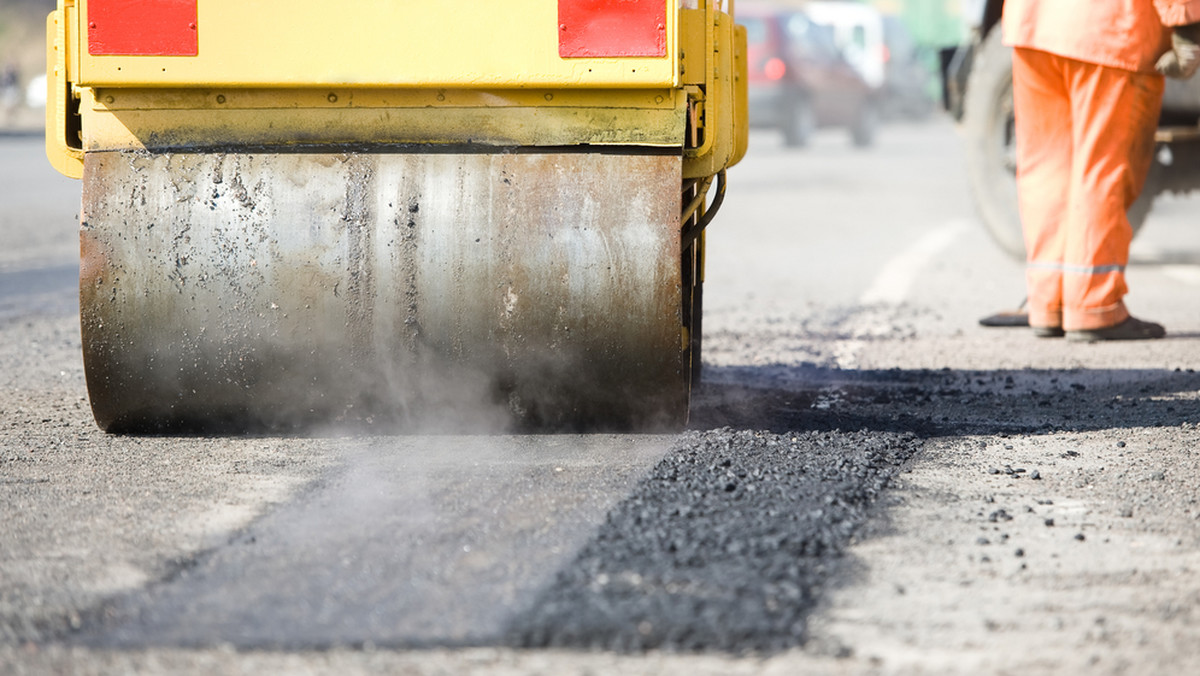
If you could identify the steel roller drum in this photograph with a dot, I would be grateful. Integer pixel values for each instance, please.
(423, 291)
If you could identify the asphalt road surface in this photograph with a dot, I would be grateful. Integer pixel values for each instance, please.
(872, 482)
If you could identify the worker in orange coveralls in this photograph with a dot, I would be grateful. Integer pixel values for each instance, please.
(1087, 91)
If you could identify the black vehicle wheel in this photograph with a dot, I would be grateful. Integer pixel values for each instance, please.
(692, 278)
(988, 123)
(799, 122)
(862, 133)
(696, 334)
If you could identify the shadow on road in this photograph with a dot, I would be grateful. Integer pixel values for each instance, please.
(39, 291)
(948, 403)
(739, 533)
(728, 544)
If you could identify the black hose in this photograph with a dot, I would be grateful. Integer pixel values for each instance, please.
(689, 235)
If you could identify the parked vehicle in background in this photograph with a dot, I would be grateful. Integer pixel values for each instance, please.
(978, 91)
(881, 48)
(857, 32)
(799, 80)
(908, 84)
(10, 92)
(35, 92)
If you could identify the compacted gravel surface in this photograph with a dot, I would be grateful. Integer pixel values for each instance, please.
(871, 483)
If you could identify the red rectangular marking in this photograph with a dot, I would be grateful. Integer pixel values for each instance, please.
(599, 28)
(142, 28)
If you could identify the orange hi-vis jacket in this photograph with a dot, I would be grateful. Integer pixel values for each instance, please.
(1086, 99)
(1126, 34)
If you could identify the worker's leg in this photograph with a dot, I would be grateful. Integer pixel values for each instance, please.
(1043, 117)
(1116, 114)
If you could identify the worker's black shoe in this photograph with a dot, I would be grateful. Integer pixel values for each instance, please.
(1005, 318)
(1130, 329)
(1048, 331)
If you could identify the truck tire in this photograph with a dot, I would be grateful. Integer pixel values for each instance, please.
(862, 132)
(991, 149)
(799, 122)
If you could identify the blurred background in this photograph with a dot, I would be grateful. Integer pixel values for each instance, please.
(23, 63)
(833, 63)
(817, 64)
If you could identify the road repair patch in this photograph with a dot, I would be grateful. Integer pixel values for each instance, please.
(724, 546)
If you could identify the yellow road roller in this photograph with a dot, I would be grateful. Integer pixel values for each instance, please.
(421, 215)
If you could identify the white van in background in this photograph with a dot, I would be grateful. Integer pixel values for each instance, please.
(883, 51)
(858, 32)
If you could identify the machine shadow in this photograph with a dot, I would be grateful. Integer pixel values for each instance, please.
(742, 530)
(944, 402)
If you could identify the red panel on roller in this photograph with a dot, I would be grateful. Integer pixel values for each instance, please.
(592, 28)
(142, 28)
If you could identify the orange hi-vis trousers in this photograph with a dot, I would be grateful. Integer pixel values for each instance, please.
(1085, 141)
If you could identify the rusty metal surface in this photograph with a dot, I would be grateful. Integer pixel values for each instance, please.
(417, 290)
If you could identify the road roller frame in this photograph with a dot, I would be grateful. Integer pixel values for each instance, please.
(295, 212)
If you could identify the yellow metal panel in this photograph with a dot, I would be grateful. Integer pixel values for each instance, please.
(386, 43)
(741, 99)
(70, 21)
(718, 100)
(691, 47)
(67, 160)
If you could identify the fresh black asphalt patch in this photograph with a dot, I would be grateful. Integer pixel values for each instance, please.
(725, 546)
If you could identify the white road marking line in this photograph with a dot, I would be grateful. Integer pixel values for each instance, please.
(891, 286)
(895, 279)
